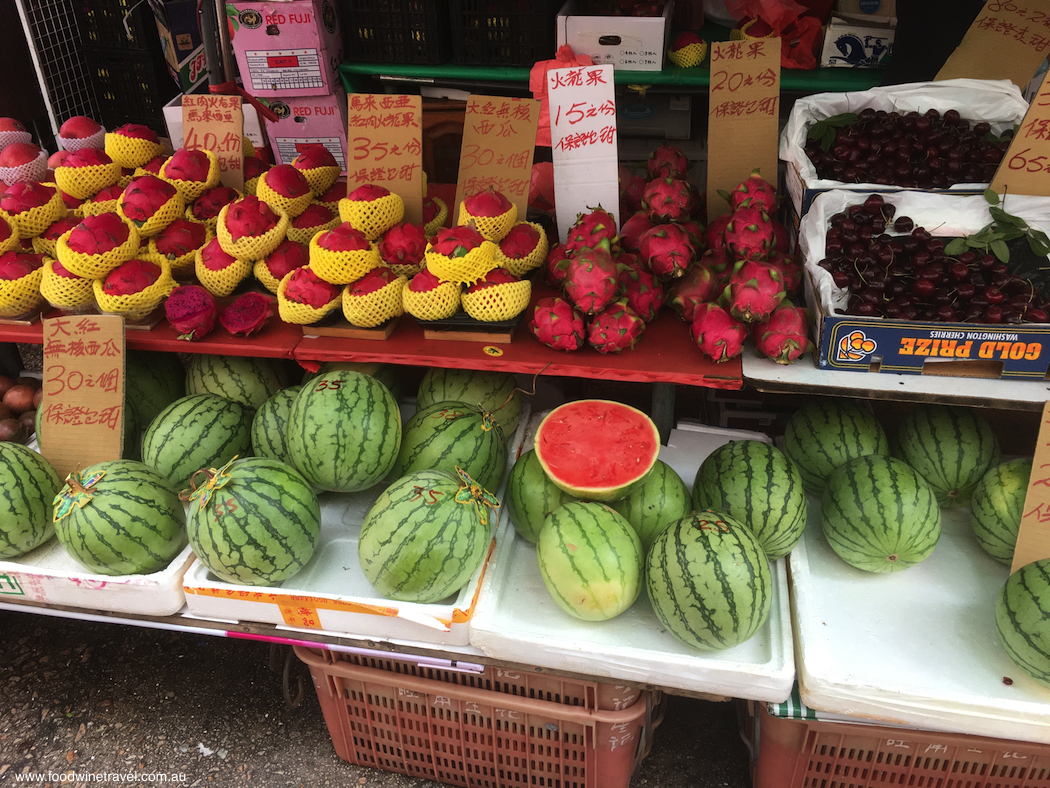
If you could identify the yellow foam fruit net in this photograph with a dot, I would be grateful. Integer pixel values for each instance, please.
(498, 302)
(174, 208)
(519, 266)
(83, 182)
(212, 224)
(688, 56)
(293, 206)
(41, 245)
(741, 34)
(247, 149)
(321, 179)
(96, 266)
(251, 184)
(406, 270)
(251, 247)
(70, 295)
(262, 273)
(492, 228)
(182, 265)
(340, 268)
(436, 304)
(94, 208)
(125, 178)
(21, 297)
(435, 224)
(137, 305)
(373, 217)
(13, 237)
(191, 190)
(34, 221)
(224, 281)
(467, 269)
(131, 152)
(374, 309)
(303, 235)
(302, 314)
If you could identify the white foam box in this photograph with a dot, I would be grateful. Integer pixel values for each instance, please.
(516, 619)
(635, 43)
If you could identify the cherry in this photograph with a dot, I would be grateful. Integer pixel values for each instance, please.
(841, 279)
(1036, 316)
(947, 314)
(873, 204)
(965, 290)
(959, 271)
(923, 288)
(903, 224)
(993, 314)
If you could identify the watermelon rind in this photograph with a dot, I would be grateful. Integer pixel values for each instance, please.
(996, 507)
(658, 501)
(879, 515)
(1022, 620)
(270, 426)
(28, 485)
(489, 391)
(249, 381)
(531, 496)
(153, 380)
(590, 559)
(709, 581)
(260, 527)
(755, 483)
(387, 374)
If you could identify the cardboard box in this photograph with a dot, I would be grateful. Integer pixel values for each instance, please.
(636, 43)
(655, 115)
(253, 127)
(180, 39)
(287, 48)
(309, 120)
(857, 42)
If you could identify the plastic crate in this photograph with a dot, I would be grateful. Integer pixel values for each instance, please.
(410, 31)
(101, 24)
(805, 753)
(488, 33)
(498, 729)
(131, 87)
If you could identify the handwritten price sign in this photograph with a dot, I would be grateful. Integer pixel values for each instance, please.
(83, 390)
(216, 123)
(1033, 537)
(1007, 40)
(1025, 169)
(499, 139)
(384, 148)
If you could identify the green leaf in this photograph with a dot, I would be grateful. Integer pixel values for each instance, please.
(1002, 217)
(956, 247)
(723, 194)
(975, 243)
(991, 197)
(1001, 251)
(1039, 243)
(827, 140)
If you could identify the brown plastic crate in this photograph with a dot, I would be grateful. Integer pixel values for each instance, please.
(502, 729)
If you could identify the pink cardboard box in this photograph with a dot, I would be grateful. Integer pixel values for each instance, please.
(308, 120)
(287, 48)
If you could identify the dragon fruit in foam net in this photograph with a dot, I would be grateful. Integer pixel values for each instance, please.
(591, 281)
(131, 277)
(633, 229)
(753, 291)
(785, 336)
(520, 241)
(191, 311)
(590, 229)
(403, 244)
(749, 234)
(557, 324)
(247, 314)
(667, 200)
(698, 286)
(643, 292)
(667, 251)
(667, 161)
(754, 191)
(617, 328)
(144, 195)
(717, 333)
(557, 265)
(249, 217)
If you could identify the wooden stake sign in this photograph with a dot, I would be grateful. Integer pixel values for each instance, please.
(384, 148)
(214, 122)
(742, 123)
(1033, 538)
(1025, 168)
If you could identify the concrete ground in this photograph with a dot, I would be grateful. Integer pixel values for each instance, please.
(80, 698)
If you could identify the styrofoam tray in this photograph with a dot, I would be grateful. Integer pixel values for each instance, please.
(916, 647)
(331, 593)
(516, 618)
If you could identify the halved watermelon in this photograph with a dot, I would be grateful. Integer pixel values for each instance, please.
(596, 449)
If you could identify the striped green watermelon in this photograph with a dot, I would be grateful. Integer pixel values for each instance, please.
(425, 536)
(449, 435)
(197, 431)
(132, 523)
(270, 425)
(590, 559)
(28, 485)
(709, 581)
(490, 391)
(1022, 621)
(531, 496)
(879, 515)
(826, 433)
(661, 499)
(152, 382)
(950, 447)
(756, 484)
(249, 381)
(996, 507)
(344, 432)
(254, 521)
(387, 374)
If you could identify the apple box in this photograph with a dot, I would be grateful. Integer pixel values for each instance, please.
(308, 120)
(636, 43)
(180, 39)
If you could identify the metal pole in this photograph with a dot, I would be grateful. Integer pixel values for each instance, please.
(225, 47)
(209, 34)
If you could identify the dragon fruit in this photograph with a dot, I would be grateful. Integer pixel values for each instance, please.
(781, 240)
(667, 200)
(15, 265)
(755, 191)
(136, 131)
(784, 337)
(631, 188)
(790, 270)
(153, 165)
(254, 167)
(343, 238)
(643, 292)
(60, 270)
(144, 195)
(315, 215)
(20, 197)
(56, 230)
(374, 280)
(457, 241)
(714, 235)
(520, 241)
(214, 257)
(617, 328)
(695, 233)
(98, 234)
(590, 229)
(247, 314)
(667, 161)
(497, 276)
(557, 324)
(368, 193)
(698, 286)
(556, 265)
(488, 203)
(430, 209)
(337, 191)
(749, 234)
(208, 205)
(718, 260)
(633, 229)
(288, 256)
(131, 277)
(667, 251)
(188, 164)
(591, 280)
(753, 291)
(314, 156)
(86, 157)
(191, 311)
(424, 281)
(179, 238)
(107, 194)
(717, 333)
(249, 217)
(287, 181)
(306, 287)
(403, 244)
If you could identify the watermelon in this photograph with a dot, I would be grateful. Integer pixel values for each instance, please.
(1022, 622)
(152, 382)
(344, 432)
(531, 496)
(709, 581)
(597, 449)
(756, 484)
(197, 431)
(661, 499)
(826, 433)
(28, 485)
(450, 435)
(249, 381)
(270, 425)
(132, 523)
(493, 392)
(879, 515)
(254, 521)
(387, 374)
(590, 559)
(996, 507)
(425, 536)
(950, 447)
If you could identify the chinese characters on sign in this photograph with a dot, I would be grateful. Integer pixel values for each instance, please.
(384, 146)
(1033, 537)
(1007, 40)
(216, 123)
(1025, 168)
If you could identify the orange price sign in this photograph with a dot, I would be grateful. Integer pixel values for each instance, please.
(1007, 40)
(214, 122)
(1025, 168)
(302, 617)
(383, 146)
(1033, 537)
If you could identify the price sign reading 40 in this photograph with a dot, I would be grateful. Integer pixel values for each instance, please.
(216, 123)
(384, 148)
(1025, 168)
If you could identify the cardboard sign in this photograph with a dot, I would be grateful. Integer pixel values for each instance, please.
(583, 139)
(499, 139)
(383, 147)
(216, 123)
(1025, 168)
(1007, 40)
(83, 407)
(1033, 538)
(743, 117)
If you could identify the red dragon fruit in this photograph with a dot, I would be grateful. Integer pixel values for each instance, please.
(98, 234)
(714, 235)
(153, 165)
(337, 191)
(753, 291)
(188, 164)
(20, 197)
(643, 292)
(591, 280)
(430, 209)
(15, 265)
(557, 324)
(717, 333)
(179, 238)
(403, 244)
(488, 203)
(108, 193)
(617, 328)
(785, 336)
(56, 230)
(247, 314)
(374, 280)
(214, 257)
(254, 167)
(191, 311)
(131, 277)
(208, 205)
(497, 276)
(667, 251)
(755, 191)
(457, 241)
(667, 200)
(695, 232)
(557, 265)
(718, 260)
(136, 131)
(314, 156)
(424, 282)
(591, 228)
(367, 193)
(781, 240)
(144, 195)
(287, 181)
(631, 188)
(633, 229)
(60, 270)
(520, 241)
(667, 161)
(315, 215)
(790, 270)
(249, 217)
(86, 157)
(698, 286)
(288, 256)
(306, 287)
(343, 238)
(749, 234)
